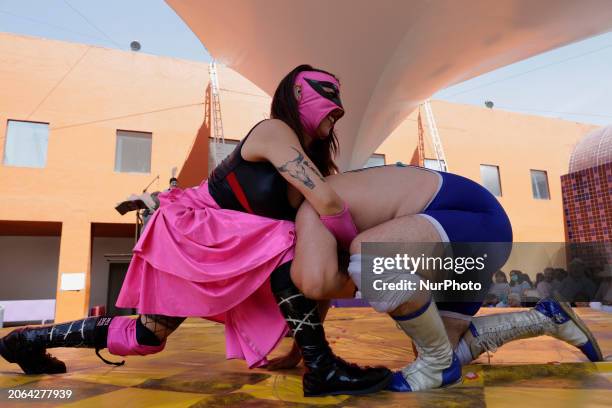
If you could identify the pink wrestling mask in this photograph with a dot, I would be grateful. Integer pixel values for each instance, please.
(320, 97)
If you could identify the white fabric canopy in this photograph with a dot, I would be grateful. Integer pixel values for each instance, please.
(389, 54)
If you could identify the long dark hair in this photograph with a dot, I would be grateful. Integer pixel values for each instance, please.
(285, 108)
(502, 274)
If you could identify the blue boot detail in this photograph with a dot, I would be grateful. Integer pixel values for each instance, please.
(450, 376)
(590, 351)
(552, 309)
(563, 316)
(398, 383)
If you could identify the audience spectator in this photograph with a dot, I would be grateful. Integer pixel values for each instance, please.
(500, 288)
(514, 277)
(525, 281)
(491, 300)
(604, 291)
(577, 287)
(519, 283)
(560, 275)
(603, 297)
(544, 286)
(514, 300)
(529, 295)
(527, 278)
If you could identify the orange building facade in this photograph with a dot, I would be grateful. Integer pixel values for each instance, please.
(58, 224)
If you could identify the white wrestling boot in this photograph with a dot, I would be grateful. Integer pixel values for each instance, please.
(436, 365)
(549, 317)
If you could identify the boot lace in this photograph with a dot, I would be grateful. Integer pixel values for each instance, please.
(491, 340)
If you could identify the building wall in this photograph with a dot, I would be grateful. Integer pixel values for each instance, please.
(28, 267)
(587, 204)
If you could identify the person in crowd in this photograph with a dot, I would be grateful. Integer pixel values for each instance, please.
(544, 285)
(518, 283)
(560, 276)
(577, 287)
(500, 288)
(491, 300)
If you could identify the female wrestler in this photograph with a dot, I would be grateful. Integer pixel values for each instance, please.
(209, 252)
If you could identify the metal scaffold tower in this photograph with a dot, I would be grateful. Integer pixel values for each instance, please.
(435, 136)
(216, 119)
(421, 140)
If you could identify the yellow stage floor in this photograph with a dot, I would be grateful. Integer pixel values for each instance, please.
(192, 372)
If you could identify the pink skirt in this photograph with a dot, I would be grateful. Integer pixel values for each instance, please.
(197, 259)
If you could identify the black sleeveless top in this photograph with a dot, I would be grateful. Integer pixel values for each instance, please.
(253, 187)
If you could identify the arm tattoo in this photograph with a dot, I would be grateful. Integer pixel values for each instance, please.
(314, 170)
(297, 169)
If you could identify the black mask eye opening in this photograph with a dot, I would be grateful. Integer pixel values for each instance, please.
(326, 89)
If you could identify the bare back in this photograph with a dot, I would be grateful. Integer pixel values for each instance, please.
(377, 197)
(379, 194)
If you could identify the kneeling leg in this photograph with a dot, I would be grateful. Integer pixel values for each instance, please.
(414, 311)
(28, 346)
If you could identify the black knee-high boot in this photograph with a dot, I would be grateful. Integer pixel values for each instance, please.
(28, 346)
(326, 374)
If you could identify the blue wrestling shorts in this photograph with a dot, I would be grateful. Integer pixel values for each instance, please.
(463, 211)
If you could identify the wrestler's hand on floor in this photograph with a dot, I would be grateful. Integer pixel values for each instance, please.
(289, 360)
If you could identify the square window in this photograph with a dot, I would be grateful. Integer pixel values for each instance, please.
(434, 164)
(375, 160)
(222, 151)
(133, 152)
(490, 179)
(26, 144)
(539, 185)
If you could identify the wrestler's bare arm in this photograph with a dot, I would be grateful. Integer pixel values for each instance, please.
(297, 167)
(276, 142)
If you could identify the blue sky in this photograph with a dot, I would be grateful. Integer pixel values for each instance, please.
(573, 82)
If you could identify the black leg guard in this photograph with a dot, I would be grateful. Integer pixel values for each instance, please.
(27, 346)
(326, 374)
